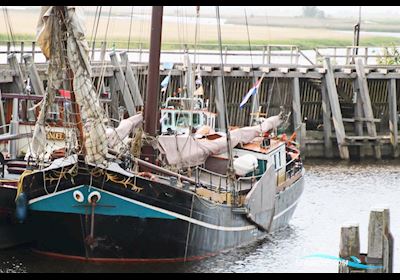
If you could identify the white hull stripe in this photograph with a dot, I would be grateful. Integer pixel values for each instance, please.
(51, 195)
(287, 209)
(176, 215)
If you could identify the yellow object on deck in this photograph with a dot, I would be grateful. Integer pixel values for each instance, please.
(21, 179)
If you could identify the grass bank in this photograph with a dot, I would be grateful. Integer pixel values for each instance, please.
(303, 44)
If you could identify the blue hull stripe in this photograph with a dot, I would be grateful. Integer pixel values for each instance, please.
(108, 204)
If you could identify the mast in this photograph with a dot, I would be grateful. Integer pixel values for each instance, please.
(151, 110)
(61, 14)
(230, 169)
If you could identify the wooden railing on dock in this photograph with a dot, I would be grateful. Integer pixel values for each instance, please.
(331, 104)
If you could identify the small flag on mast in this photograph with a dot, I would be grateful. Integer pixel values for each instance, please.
(252, 91)
(164, 84)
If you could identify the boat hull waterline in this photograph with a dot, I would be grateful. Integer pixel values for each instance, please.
(143, 221)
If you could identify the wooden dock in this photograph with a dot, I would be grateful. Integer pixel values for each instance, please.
(346, 111)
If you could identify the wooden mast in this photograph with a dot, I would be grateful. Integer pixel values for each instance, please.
(151, 108)
(61, 13)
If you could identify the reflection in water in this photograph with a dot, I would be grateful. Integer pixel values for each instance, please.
(334, 193)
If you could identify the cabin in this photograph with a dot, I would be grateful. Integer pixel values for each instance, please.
(179, 112)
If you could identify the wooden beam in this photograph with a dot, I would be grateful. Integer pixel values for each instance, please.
(114, 98)
(378, 225)
(19, 84)
(366, 102)
(349, 245)
(393, 115)
(358, 114)
(123, 85)
(219, 104)
(326, 117)
(18, 76)
(2, 116)
(131, 79)
(37, 83)
(297, 119)
(335, 108)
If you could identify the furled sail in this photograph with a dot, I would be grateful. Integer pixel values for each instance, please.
(118, 134)
(77, 58)
(49, 42)
(185, 151)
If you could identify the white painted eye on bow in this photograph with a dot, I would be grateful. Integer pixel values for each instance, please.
(94, 197)
(78, 196)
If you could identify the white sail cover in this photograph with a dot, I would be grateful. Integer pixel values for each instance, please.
(48, 42)
(185, 151)
(85, 94)
(117, 135)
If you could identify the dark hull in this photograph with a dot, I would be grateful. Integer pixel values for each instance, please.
(12, 233)
(167, 223)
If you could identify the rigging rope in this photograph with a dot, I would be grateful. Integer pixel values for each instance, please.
(98, 15)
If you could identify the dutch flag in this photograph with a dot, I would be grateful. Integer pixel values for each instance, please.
(251, 92)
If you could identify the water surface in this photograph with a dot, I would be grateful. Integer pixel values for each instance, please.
(335, 193)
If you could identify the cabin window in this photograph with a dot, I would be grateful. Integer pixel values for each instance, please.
(196, 119)
(168, 119)
(182, 119)
(277, 160)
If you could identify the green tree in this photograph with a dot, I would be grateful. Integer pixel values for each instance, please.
(391, 56)
(313, 12)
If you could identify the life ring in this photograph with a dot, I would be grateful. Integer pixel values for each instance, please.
(147, 175)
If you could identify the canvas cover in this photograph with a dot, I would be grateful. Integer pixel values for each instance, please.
(185, 150)
(117, 135)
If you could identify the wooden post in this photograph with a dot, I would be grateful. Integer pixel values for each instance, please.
(33, 51)
(367, 107)
(19, 77)
(14, 128)
(123, 85)
(335, 108)
(358, 115)
(131, 79)
(380, 241)
(140, 51)
(392, 99)
(297, 120)
(349, 245)
(103, 51)
(2, 116)
(22, 51)
(263, 55)
(37, 83)
(219, 104)
(18, 83)
(114, 98)
(326, 117)
(8, 48)
(388, 242)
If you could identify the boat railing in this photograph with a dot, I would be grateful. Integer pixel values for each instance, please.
(211, 180)
(248, 180)
(291, 171)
